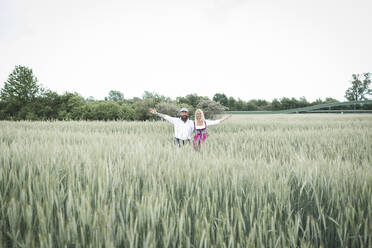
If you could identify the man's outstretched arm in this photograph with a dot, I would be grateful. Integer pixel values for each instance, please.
(165, 117)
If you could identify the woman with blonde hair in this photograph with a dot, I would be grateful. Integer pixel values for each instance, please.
(200, 128)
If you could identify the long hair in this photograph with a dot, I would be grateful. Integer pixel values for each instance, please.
(201, 113)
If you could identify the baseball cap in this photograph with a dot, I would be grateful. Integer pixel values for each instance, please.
(184, 110)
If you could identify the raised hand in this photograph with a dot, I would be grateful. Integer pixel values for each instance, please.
(152, 111)
(227, 117)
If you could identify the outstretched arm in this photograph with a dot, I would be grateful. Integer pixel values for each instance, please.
(166, 117)
(226, 117)
(211, 123)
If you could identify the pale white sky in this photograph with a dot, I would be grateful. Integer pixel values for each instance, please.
(252, 49)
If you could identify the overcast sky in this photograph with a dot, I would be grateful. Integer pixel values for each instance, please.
(248, 49)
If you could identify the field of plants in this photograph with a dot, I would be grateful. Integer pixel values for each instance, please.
(260, 181)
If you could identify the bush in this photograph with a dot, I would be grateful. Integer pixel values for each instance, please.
(170, 109)
(173, 109)
(211, 108)
(62, 115)
(106, 111)
(3, 113)
(27, 113)
(126, 112)
(141, 109)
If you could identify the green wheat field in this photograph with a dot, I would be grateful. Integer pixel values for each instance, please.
(259, 181)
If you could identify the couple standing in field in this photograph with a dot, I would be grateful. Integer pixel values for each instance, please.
(184, 127)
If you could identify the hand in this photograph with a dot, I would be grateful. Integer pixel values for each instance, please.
(228, 117)
(153, 111)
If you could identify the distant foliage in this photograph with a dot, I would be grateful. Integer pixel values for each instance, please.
(21, 86)
(191, 100)
(289, 103)
(170, 109)
(106, 111)
(115, 96)
(126, 113)
(141, 109)
(23, 98)
(222, 99)
(359, 89)
(211, 108)
(19, 94)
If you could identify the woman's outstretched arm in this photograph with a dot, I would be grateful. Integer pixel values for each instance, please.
(215, 122)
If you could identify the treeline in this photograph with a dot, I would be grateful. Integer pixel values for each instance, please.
(72, 106)
(22, 98)
(262, 105)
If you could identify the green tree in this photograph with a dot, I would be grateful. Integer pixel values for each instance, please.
(182, 100)
(291, 103)
(48, 105)
(221, 98)
(251, 106)
(115, 96)
(126, 112)
(287, 103)
(211, 108)
(173, 108)
(317, 101)
(72, 107)
(261, 103)
(359, 87)
(240, 105)
(170, 109)
(155, 97)
(3, 114)
(276, 104)
(191, 99)
(330, 100)
(19, 90)
(302, 102)
(27, 112)
(231, 103)
(141, 109)
(106, 111)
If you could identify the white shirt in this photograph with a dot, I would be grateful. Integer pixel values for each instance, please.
(182, 130)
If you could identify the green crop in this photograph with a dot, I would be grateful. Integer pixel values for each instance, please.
(259, 181)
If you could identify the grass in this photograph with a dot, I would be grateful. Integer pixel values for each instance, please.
(260, 181)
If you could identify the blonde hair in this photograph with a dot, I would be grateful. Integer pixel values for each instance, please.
(201, 113)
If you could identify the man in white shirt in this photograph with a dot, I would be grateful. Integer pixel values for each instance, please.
(183, 126)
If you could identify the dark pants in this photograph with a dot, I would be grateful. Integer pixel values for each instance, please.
(180, 142)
